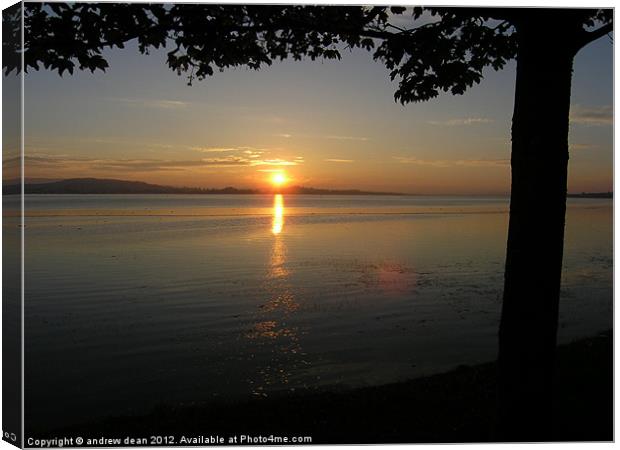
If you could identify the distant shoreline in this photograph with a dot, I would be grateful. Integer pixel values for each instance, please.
(96, 186)
(109, 186)
(592, 195)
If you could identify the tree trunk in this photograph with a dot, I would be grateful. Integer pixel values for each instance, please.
(527, 336)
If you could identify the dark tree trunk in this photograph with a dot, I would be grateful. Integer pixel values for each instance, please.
(527, 336)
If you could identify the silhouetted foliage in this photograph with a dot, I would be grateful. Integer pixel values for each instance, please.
(443, 49)
(62, 37)
(11, 38)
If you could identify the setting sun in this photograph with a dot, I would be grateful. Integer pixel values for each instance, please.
(278, 179)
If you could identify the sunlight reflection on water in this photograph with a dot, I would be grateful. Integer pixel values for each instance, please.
(278, 214)
(272, 326)
(218, 295)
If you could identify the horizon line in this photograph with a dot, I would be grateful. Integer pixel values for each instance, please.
(258, 191)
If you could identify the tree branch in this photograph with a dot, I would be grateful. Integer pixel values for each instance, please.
(590, 36)
(395, 27)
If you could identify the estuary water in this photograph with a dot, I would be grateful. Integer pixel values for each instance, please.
(137, 301)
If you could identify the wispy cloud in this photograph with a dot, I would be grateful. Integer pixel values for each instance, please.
(167, 104)
(62, 162)
(242, 150)
(249, 156)
(582, 146)
(335, 160)
(154, 103)
(214, 149)
(253, 153)
(269, 170)
(61, 142)
(592, 116)
(452, 162)
(461, 121)
(275, 162)
(321, 136)
(347, 138)
(86, 165)
(227, 161)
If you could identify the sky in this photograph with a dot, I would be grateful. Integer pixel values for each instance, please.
(324, 124)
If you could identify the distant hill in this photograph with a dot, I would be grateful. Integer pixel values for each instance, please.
(109, 186)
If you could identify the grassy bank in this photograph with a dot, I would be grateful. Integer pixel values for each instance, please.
(457, 406)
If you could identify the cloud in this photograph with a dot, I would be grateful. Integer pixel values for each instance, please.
(347, 138)
(253, 153)
(86, 165)
(275, 162)
(56, 142)
(321, 136)
(250, 161)
(461, 121)
(592, 116)
(58, 165)
(452, 162)
(166, 104)
(338, 160)
(582, 146)
(250, 152)
(227, 161)
(63, 162)
(214, 149)
(249, 156)
(154, 103)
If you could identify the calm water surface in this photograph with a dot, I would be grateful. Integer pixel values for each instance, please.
(135, 301)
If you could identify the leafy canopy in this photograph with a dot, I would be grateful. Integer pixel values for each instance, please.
(439, 49)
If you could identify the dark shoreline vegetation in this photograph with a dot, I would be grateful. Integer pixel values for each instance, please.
(591, 195)
(456, 406)
(108, 186)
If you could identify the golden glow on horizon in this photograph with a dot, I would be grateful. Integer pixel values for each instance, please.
(278, 214)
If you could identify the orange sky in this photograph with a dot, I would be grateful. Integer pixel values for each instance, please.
(326, 125)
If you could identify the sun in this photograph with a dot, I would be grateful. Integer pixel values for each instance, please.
(278, 179)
